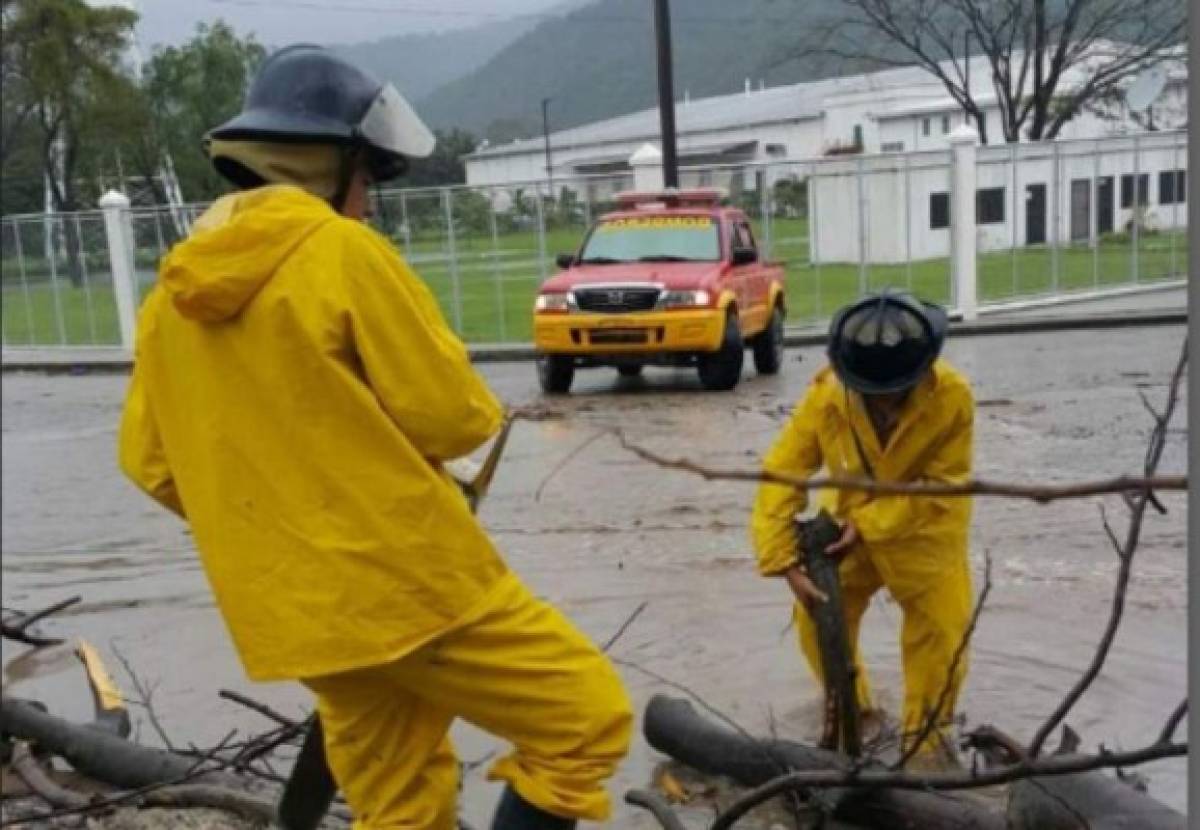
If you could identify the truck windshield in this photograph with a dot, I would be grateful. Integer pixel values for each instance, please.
(653, 239)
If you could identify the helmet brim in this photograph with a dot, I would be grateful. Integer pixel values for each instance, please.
(264, 124)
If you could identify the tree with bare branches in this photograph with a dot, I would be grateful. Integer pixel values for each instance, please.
(1046, 59)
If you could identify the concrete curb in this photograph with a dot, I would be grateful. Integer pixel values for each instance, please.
(114, 360)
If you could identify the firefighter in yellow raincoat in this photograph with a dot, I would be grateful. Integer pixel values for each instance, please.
(295, 396)
(888, 409)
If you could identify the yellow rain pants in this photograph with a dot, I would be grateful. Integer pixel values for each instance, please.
(519, 671)
(915, 547)
(296, 394)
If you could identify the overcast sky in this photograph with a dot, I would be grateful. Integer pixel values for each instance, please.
(277, 22)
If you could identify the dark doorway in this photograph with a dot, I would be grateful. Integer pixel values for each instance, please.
(1081, 209)
(1035, 214)
(1104, 204)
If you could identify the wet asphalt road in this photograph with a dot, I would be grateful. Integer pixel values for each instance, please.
(607, 532)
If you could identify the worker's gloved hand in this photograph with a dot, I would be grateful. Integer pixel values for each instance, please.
(845, 543)
(806, 592)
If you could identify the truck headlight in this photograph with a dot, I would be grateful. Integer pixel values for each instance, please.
(553, 301)
(685, 299)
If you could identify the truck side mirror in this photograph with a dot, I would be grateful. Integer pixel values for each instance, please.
(744, 256)
(564, 260)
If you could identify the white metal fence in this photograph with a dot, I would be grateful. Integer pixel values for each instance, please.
(1039, 220)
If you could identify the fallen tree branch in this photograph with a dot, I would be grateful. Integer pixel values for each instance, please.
(1126, 554)
(95, 753)
(946, 781)
(17, 627)
(658, 807)
(30, 771)
(1039, 493)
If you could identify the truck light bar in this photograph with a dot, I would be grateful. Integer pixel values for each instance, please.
(670, 198)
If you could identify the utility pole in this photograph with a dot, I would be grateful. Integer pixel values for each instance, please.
(546, 140)
(666, 92)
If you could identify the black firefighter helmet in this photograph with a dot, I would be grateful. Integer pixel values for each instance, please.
(305, 94)
(886, 342)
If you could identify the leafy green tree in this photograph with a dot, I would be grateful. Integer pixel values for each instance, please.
(63, 64)
(445, 166)
(190, 89)
(63, 61)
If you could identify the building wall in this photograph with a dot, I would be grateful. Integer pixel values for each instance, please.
(891, 222)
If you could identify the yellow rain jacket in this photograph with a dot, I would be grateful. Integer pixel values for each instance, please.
(914, 547)
(931, 442)
(295, 394)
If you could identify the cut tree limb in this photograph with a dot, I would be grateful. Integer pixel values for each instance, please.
(96, 753)
(673, 727)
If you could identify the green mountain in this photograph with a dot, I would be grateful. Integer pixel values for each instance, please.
(599, 61)
(419, 64)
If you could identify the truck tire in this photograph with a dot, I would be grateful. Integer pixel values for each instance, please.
(721, 370)
(555, 373)
(768, 346)
(629, 370)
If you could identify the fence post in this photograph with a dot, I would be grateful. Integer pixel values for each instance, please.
(962, 227)
(452, 258)
(118, 230)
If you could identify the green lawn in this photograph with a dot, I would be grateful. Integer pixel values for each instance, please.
(497, 281)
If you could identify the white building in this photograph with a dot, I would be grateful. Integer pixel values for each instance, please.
(895, 110)
(893, 208)
(874, 152)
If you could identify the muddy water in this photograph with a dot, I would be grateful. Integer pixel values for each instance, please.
(609, 532)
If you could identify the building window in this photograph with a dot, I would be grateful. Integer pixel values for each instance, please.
(939, 211)
(989, 206)
(1143, 190)
(945, 124)
(1172, 187)
(858, 142)
(892, 147)
(924, 126)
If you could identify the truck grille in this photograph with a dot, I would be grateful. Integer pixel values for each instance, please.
(623, 337)
(616, 300)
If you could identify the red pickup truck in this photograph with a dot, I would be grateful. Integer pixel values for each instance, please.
(669, 279)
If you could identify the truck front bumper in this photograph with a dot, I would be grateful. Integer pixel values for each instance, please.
(691, 330)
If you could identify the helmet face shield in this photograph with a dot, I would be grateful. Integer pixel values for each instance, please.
(390, 124)
(886, 342)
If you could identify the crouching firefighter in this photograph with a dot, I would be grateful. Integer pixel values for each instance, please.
(886, 408)
(295, 397)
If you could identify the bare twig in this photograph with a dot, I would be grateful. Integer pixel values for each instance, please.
(145, 694)
(1040, 493)
(1126, 553)
(17, 627)
(537, 494)
(625, 626)
(870, 779)
(262, 709)
(1172, 724)
(931, 719)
